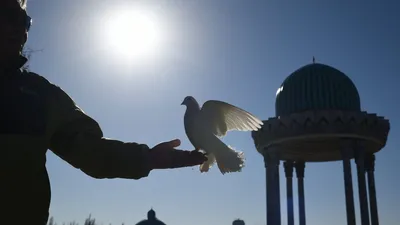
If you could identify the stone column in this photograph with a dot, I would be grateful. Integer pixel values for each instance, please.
(362, 188)
(288, 165)
(268, 181)
(370, 168)
(347, 154)
(271, 161)
(277, 196)
(300, 165)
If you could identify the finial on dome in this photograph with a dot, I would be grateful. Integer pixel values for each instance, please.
(313, 59)
(151, 214)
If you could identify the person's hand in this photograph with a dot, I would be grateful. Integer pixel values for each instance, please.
(165, 156)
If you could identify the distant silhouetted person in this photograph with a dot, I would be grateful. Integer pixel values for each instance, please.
(36, 115)
(151, 219)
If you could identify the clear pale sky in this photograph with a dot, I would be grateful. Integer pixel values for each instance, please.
(236, 51)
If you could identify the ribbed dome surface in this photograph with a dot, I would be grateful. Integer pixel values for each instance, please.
(316, 87)
(238, 222)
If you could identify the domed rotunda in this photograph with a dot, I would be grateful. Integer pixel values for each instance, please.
(318, 118)
(151, 219)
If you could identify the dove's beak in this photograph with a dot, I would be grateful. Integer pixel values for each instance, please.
(183, 103)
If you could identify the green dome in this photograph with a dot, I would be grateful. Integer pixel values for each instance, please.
(316, 87)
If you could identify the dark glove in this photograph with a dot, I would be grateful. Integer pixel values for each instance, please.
(165, 156)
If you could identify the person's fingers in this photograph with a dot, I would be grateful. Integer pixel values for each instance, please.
(169, 144)
(175, 159)
(186, 158)
(204, 153)
(199, 155)
(175, 143)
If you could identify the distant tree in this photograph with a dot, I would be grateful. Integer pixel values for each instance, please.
(51, 221)
(90, 221)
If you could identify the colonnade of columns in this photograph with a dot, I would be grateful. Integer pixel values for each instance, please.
(299, 166)
(272, 162)
(365, 164)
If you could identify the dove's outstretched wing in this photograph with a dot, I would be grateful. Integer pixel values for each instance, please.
(221, 117)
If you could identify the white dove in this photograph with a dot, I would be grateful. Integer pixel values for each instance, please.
(204, 127)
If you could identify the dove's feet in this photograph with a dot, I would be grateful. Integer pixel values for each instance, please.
(204, 167)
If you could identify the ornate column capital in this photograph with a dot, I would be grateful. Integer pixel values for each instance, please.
(359, 153)
(271, 157)
(370, 163)
(347, 146)
(300, 165)
(288, 165)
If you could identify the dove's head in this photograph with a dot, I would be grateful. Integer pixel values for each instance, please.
(190, 102)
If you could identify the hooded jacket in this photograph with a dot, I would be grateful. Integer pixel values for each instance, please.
(36, 116)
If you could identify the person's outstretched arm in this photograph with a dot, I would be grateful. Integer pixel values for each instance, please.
(78, 139)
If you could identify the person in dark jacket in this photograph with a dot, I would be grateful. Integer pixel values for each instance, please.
(36, 115)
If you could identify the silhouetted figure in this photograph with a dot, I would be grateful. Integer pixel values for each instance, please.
(151, 219)
(36, 115)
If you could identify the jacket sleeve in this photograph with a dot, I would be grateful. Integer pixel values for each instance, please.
(78, 139)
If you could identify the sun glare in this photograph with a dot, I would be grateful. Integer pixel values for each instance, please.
(132, 34)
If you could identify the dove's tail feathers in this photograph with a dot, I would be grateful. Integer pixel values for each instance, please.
(207, 164)
(229, 160)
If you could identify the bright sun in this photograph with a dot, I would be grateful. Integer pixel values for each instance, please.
(132, 34)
